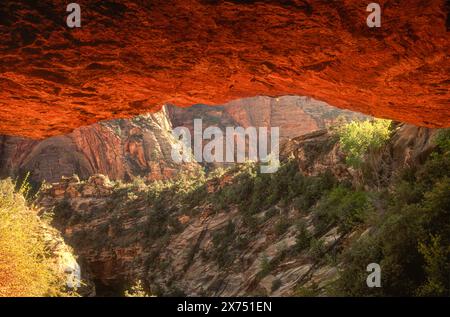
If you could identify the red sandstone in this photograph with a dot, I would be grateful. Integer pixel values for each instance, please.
(129, 58)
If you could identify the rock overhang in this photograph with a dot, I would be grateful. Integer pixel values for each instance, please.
(130, 57)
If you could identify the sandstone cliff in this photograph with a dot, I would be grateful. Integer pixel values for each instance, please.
(121, 149)
(126, 148)
(294, 115)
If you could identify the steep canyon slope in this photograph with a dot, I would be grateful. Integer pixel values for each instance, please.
(219, 238)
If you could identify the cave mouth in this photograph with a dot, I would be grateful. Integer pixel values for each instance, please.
(89, 108)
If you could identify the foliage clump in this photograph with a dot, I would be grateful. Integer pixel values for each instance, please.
(342, 206)
(25, 265)
(359, 137)
(137, 290)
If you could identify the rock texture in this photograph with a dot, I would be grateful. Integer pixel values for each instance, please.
(65, 262)
(130, 57)
(125, 148)
(119, 237)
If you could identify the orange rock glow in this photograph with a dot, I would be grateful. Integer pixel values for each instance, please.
(130, 57)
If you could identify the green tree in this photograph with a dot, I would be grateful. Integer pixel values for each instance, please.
(358, 137)
(436, 267)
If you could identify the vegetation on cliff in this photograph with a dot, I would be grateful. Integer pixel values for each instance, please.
(408, 227)
(26, 268)
(359, 137)
(410, 238)
(325, 228)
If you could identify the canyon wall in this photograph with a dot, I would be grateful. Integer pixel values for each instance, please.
(294, 115)
(125, 148)
(121, 149)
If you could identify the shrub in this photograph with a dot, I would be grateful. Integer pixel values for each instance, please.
(254, 192)
(443, 140)
(266, 266)
(137, 290)
(282, 225)
(358, 137)
(303, 237)
(437, 267)
(223, 243)
(276, 284)
(341, 206)
(25, 267)
(316, 249)
(312, 188)
(251, 222)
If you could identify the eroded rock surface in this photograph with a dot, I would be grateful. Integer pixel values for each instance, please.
(130, 57)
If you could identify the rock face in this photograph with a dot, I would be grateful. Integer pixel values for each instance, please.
(294, 115)
(130, 57)
(120, 238)
(65, 262)
(121, 149)
(125, 148)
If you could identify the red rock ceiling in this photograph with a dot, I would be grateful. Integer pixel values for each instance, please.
(130, 57)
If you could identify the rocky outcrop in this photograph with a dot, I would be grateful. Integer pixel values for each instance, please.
(409, 147)
(316, 152)
(66, 263)
(126, 148)
(130, 57)
(206, 250)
